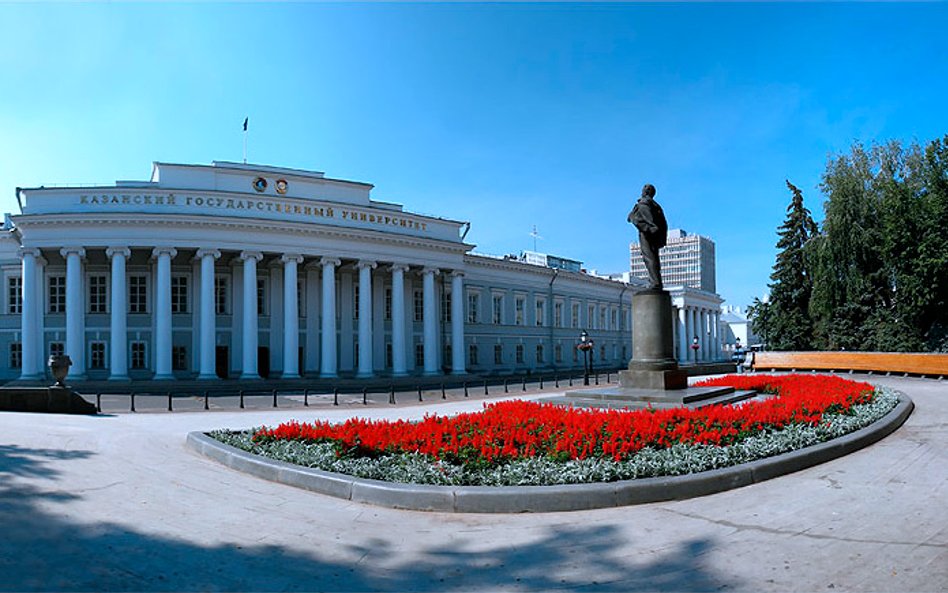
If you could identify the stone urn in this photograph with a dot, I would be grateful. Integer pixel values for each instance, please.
(59, 366)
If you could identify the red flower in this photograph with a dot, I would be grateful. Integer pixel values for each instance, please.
(510, 430)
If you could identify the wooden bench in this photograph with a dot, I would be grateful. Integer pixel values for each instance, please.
(885, 362)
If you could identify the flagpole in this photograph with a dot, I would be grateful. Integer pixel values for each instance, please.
(245, 139)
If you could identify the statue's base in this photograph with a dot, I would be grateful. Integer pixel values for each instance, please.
(659, 399)
(55, 399)
(635, 378)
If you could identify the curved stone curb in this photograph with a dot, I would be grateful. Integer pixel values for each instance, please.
(565, 497)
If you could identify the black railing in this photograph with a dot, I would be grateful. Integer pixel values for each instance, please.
(229, 399)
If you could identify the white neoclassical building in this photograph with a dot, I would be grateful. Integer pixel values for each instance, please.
(247, 271)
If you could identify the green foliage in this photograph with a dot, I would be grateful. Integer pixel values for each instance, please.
(880, 267)
(784, 322)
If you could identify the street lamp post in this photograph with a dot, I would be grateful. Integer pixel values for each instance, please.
(585, 345)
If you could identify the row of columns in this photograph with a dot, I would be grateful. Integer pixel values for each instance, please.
(32, 363)
(704, 324)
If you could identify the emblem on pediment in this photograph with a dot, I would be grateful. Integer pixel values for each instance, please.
(281, 186)
(260, 184)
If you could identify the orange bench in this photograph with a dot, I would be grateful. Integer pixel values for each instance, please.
(886, 362)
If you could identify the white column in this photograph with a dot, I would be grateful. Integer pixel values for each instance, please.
(365, 318)
(327, 367)
(249, 367)
(207, 368)
(457, 322)
(31, 361)
(690, 317)
(291, 316)
(682, 335)
(40, 311)
(399, 354)
(163, 312)
(75, 314)
(705, 341)
(118, 330)
(430, 321)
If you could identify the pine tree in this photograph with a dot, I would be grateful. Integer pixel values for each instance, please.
(785, 320)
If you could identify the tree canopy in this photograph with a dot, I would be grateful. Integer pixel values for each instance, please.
(875, 276)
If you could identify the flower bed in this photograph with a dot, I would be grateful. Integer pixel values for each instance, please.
(520, 442)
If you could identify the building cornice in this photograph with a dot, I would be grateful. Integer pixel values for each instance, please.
(242, 225)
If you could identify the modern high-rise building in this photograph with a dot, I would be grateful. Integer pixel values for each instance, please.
(687, 260)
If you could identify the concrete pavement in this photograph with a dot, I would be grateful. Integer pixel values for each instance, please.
(119, 503)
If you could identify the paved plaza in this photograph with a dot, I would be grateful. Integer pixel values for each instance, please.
(118, 503)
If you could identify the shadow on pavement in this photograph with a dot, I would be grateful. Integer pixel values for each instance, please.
(42, 549)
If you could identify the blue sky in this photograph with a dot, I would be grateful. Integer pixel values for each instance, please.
(504, 115)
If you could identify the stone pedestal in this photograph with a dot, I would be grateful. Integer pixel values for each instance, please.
(653, 364)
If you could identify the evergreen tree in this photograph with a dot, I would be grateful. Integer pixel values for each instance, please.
(784, 322)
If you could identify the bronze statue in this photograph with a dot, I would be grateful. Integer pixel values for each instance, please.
(649, 219)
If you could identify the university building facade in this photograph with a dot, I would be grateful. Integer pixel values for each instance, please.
(245, 271)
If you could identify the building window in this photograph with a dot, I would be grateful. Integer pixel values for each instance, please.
(539, 353)
(98, 297)
(419, 305)
(388, 304)
(602, 352)
(262, 296)
(519, 352)
(355, 301)
(473, 304)
(498, 354)
(447, 352)
(57, 294)
(355, 353)
(498, 309)
(138, 360)
(16, 355)
(591, 316)
(558, 353)
(575, 315)
(14, 295)
(56, 349)
(558, 314)
(446, 307)
(575, 355)
(614, 324)
(602, 318)
(97, 355)
(388, 355)
(138, 293)
(541, 312)
(179, 294)
(520, 303)
(179, 358)
(419, 355)
(221, 299)
(472, 355)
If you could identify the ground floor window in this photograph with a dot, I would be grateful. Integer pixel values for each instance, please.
(498, 354)
(558, 352)
(179, 358)
(540, 353)
(472, 354)
(97, 355)
(519, 353)
(419, 355)
(16, 355)
(56, 349)
(388, 355)
(138, 360)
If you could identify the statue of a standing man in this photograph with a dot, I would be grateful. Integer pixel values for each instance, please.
(649, 219)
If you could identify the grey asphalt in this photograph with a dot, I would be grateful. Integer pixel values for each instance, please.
(120, 503)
